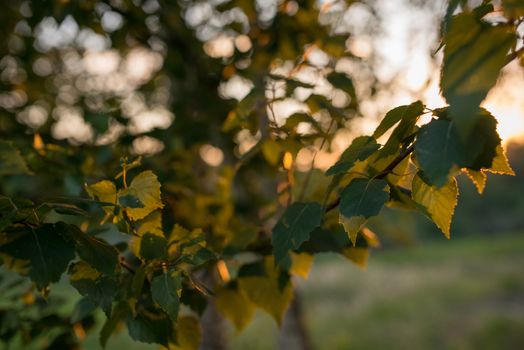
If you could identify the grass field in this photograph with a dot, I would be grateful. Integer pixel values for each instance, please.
(458, 294)
(461, 294)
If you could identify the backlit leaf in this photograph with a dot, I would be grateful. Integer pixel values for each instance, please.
(437, 203)
(478, 178)
(361, 148)
(103, 191)
(474, 54)
(500, 163)
(407, 112)
(352, 226)
(146, 188)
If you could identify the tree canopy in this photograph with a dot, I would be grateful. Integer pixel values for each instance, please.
(142, 159)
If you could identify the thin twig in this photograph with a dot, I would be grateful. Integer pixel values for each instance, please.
(126, 265)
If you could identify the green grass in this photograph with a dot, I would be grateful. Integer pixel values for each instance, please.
(461, 294)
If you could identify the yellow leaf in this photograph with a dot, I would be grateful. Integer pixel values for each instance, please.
(188, 334)
(103, 191)
(352, 226)
(180, 235)
(301, 264)
(82, 271)
(358, 255)
(478, 178)
(264, 291)
(500, 163)
(234, 306)
(150, 224)
(146, 188)
(439, 203)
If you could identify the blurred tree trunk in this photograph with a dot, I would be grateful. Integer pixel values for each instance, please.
(214, 330)
(293, 333)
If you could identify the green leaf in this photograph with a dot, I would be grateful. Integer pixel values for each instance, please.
(361, 148)
(294, 227)
(45, 251)
(11, 161)
(343, 82)
(100, 289)
(401, 136)
(153, 247)
(363, 197)
(440, 150)
(150, 328)
(234, 306)
(474, 54)
(437, 203)
(95, 252)
(296, 118)
(360, 200)
(165, 290)
(146, 188)
(486, 138)
(322, 241)
(407, 112)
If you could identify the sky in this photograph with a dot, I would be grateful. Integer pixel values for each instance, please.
(410, 34)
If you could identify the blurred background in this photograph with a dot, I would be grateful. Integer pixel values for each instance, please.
(168, 80)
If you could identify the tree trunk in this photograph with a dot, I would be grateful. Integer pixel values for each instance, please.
(214, 331)
(293, 333)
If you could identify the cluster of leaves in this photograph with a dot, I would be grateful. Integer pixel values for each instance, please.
(153, 253)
